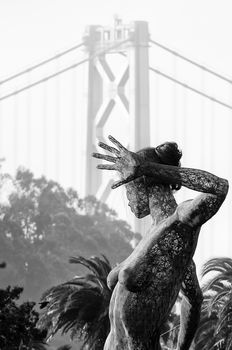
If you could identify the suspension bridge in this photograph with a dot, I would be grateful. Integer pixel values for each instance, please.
(119, 80)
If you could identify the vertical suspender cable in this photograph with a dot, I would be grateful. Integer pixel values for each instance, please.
(156, 114)
(211, 156)
(202, 144)
(57, 126)
(15, 126)
(1, 131)
(29, 116)
(45, 129)
(75, 120)
(230, 180)
(203, 138)
(175, 93)
(185, 119)
(184, 131)
(202, 123)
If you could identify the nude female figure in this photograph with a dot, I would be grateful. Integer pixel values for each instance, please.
(147, 283)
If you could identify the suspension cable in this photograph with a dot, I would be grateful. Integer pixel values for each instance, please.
(191, 88)
(49, 77)
(228, 80)
(29, 69)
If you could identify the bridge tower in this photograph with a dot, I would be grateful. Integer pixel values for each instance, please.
(106, 88)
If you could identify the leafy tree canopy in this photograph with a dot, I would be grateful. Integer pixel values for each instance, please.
(18, 323)
(42, 225)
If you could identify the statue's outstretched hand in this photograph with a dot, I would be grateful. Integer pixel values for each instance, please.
(124, 161)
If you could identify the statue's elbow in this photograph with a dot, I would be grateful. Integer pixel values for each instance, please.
(226, 187)
(221, 189)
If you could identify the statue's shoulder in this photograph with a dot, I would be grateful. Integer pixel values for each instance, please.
(178, 220)
(156, 231)
(183, 206)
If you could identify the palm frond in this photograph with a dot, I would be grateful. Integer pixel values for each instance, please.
(64, 347)
(218, 344)
(38, 345)
(98, 266)
(229, 340)
(216, 301)
(80, 306)
(204, 337)
(215, 329)
(225, 316)
(216, 283)
(217, 265)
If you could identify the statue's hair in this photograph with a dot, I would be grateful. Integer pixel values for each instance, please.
(167, 153)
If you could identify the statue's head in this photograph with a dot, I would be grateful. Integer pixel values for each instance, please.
(139, 189)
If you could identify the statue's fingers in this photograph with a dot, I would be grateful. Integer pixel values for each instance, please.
(118, 183)
(117, 143)
(109, 148)
(105, 157)
(123, 182)
(107, 167)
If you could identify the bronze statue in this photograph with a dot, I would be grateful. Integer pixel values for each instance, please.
(147, 283)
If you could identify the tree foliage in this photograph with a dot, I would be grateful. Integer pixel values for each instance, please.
(42, 224)
(18, 323)
(80, 306)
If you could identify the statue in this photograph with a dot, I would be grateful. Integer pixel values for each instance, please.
(147, 283)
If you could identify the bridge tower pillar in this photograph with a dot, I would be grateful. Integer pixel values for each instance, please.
(106, 87)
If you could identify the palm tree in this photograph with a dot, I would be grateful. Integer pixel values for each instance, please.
(64, 347)
(81, 305)
(215, 329)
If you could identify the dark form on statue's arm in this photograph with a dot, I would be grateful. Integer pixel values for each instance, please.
(192, 212)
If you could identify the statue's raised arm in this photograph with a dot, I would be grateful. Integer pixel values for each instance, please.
(148, 281)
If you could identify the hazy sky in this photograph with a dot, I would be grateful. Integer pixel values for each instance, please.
(33, 30)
